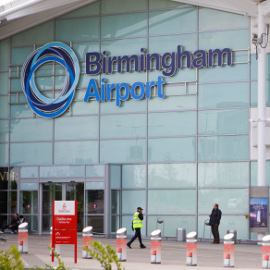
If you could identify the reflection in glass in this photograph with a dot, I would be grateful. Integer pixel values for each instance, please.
(29, 202)
(51, 192)
(115, 201)
(3, 202)
(95, 201)
(13, 205)
(96, 222)
(4, 178)
(115, 223)
(75, 192)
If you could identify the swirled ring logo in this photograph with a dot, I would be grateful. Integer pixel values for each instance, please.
(52, 52)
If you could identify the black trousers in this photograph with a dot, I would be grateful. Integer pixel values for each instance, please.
(136, 235)
(215, 232)
(13, 228)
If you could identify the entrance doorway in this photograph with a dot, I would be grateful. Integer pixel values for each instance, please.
(61, 192)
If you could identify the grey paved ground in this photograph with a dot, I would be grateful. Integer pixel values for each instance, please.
(210, 256)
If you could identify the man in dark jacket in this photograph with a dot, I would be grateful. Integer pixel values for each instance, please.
(214, 222)
(14, 224)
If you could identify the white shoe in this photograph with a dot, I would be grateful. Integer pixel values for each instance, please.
(1, 232)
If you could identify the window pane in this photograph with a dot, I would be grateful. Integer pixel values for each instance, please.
(115, 223)
(94, 185)
(4, 112)
(5, 54)
(29, 172)
(171, 150)
(223, 95)
(124, 46)
(224, 39)
(76, 128)
(223, 174)
(115, 201)
(40, 34)
(4, 155)
(4, 130)
(95, 171)
(96, 222)
(30, 153)
(62, 171)
(230, 200)
(3, 202)
(130, 105)
(123, 126)
(119, 6)
(95, 201)
(115, 177)
(171, 201)
(133, 199)
(4, 88)
(29, 186)
(223, 148)
(128, 25)
(164, 124)
(133, 176)
(173, 21)
(171, 175)
(172, 103)
(29, 202)
(211, 19)
(77, 29)
(20, 111)
(187, 222)
(122, 151)
(81, 49)
(224, 121)
(76, 152)
(19, 55)
(29, 130)
(13, 206)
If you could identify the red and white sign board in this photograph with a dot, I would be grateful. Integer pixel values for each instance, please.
(65, 225)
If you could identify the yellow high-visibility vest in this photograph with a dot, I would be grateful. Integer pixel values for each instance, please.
(137, 222)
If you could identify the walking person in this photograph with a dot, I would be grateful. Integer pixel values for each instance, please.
(137, 225)
(214, 222)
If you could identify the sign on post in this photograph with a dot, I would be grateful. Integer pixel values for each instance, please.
(64, 225)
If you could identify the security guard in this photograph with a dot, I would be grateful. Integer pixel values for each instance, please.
(137, 225)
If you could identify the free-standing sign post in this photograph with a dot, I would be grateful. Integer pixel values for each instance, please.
(64, 225)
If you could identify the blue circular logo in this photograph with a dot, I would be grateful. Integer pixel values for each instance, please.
(62, 54)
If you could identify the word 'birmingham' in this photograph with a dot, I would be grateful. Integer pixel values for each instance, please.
(169, 62)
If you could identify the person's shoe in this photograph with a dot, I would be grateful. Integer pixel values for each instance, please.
(1, 232)
(129, 246)
(12, 232)
(143, 246)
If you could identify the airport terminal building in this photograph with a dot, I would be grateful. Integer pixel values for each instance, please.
(119, 104)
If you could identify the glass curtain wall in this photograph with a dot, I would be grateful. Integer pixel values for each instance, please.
(180, 154)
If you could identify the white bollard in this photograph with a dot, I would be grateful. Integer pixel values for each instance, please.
(191, 249)
(121, 244)
(156, 246)
(23, 237)
(87, 239)
(56, 247)
(265, 251)
(229, 250)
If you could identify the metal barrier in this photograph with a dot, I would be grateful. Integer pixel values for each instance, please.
(156, 246)
(121, 244)
(87, 239)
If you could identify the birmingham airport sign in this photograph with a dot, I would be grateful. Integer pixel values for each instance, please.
(97, 63)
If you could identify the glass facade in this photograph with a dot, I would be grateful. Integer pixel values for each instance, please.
(175, 157)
